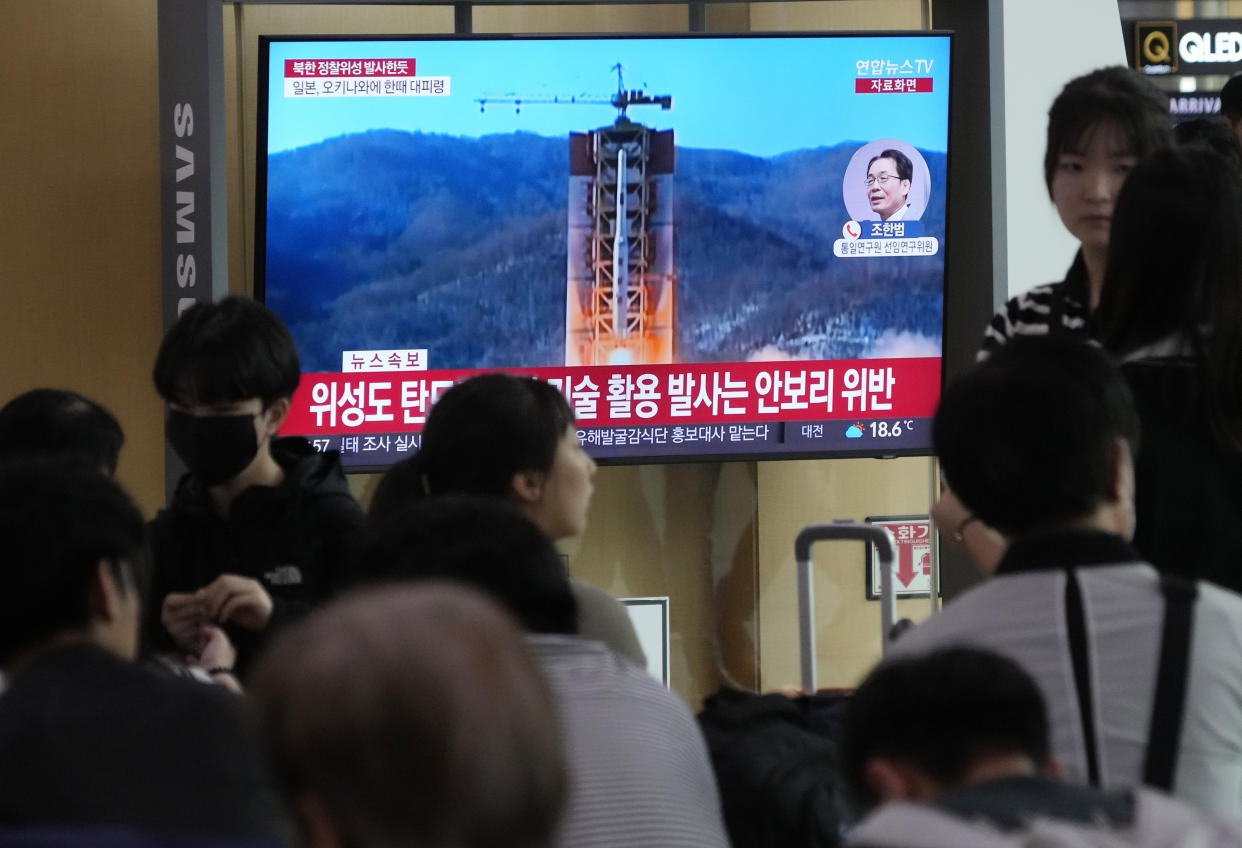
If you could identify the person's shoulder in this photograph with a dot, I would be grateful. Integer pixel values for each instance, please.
(583, 655)
(317, 482)
(588, 667)
(1034, 297)
(92, 673)
(967, 619)
(1160, 819)
(186, 692)
(189, 500)
(173, 707)
(920, 826)
(1059, 307)
(1156, 819)
(1028, 313)
(152, 750)
(1219, 596)
(1220, 614)
(603, 617)
(304, 465)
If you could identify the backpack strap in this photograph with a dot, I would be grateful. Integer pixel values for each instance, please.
(1076, 631)
(1164, 736)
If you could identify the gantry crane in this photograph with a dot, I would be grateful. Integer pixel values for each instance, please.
(621, 101)
(620, 294)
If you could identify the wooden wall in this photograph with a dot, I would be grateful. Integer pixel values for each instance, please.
(79, 214)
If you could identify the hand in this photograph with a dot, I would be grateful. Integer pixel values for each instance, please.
(215, 651)
(232, 599)
(184, 616)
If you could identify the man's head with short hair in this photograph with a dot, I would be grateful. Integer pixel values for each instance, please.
(902, 165)
(228, 371)
(482, 542)
(1115, 96)
(411, 715)
(233, 350)
(62, 423)
(920, 726)
(74, 546)
(888, 182)
(1039, 436)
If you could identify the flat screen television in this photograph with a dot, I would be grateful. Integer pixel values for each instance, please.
(715, 246)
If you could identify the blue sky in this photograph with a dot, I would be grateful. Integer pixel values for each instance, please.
(761, 96)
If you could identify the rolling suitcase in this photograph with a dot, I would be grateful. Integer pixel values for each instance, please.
(776, 757)
(850, 530)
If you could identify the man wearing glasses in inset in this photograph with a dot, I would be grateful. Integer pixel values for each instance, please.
(888, 184)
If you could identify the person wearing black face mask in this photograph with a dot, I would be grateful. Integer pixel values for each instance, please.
(217, 448)
(263, 527)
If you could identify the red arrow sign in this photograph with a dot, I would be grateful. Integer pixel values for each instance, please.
(905, 564)
(912, 556)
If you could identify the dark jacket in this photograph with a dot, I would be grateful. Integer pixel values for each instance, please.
(89, 739)
(1188, 489)
(298, 539)
(1053, 309)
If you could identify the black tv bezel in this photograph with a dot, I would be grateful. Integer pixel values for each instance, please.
(260, 198)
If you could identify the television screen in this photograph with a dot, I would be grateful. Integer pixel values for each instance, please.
(714, 246)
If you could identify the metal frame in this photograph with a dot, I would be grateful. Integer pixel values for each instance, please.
(886, 549)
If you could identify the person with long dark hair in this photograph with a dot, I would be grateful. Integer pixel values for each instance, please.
(512, 438)
(502, 436)
(1171, 312)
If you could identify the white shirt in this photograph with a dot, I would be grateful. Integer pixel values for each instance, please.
(1022, 616)
(1159, 822)
(639, 774)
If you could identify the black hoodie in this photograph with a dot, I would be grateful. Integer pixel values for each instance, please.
(299, 539)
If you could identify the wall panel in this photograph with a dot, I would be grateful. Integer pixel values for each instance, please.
(79, 221)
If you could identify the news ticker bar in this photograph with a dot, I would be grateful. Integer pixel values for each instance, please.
(871, 436)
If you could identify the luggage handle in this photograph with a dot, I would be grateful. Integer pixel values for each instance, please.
(886, 548)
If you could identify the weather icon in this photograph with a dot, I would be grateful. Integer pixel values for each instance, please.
(854, 431)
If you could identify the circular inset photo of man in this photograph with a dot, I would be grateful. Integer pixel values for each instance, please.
(886, 180)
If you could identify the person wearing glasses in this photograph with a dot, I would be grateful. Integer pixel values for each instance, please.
(888, 184)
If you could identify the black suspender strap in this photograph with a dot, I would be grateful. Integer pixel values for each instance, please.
(1169, 702)
(1076, 630)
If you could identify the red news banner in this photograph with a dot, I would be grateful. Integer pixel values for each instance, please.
(608, 396)
(311, 68)
(892, 85)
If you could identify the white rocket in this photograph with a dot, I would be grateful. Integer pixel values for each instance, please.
(621, 256)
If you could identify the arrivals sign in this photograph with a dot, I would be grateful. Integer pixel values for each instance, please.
(1193, 47)
(1201, 104)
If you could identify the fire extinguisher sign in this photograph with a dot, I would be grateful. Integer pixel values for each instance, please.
(912, 567)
